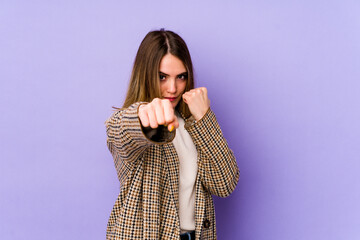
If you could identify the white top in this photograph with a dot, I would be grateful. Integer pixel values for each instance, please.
(187, 154)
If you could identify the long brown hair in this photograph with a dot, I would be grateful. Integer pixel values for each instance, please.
(144, 82)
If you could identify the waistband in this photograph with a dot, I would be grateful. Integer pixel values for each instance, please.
(188, 236)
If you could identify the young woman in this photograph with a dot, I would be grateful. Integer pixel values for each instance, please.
(169, 151)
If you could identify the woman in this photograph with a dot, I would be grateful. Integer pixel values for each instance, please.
(167, 179)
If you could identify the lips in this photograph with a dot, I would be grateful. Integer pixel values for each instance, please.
(171, 98)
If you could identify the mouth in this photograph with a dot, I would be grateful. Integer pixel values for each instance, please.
(171, 98)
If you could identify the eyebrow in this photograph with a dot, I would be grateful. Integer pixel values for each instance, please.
(184, 73)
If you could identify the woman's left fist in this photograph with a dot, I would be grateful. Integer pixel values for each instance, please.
(197, 101)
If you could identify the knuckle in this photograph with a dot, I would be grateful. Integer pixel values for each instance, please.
(157, 101)
(141, 115)
(153, 124)
(160, 119)
(143, 107)
(166, 102)
(150, 110)
(169, 118)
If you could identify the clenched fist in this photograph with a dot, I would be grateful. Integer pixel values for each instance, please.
(197, 101)
(158, 112)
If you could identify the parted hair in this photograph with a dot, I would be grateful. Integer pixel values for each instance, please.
(144, 81)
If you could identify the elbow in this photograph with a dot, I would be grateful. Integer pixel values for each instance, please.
(228, 186)
(231, 182)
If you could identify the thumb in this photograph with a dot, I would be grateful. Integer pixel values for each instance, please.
(174, 124)
(184, 97)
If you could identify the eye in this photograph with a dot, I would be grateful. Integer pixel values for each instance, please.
(162, 77)
(183, 76)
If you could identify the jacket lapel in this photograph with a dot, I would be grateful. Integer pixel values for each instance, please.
(173, 170)
(200, 199)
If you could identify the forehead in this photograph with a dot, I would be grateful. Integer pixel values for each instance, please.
(171, 65)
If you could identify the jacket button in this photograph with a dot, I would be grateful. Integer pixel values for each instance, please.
(206, 223)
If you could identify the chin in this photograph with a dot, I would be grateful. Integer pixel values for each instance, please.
(174, 104)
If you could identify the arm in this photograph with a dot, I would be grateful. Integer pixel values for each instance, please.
(125, 137)
(218, 170)
(217, 165)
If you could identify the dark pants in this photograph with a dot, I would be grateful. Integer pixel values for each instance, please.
(188, 236)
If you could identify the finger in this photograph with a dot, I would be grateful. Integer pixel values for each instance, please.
(201, 93)
(174, 124)
(191, 95)
(192, 90)
(169, 114)
(159, 112)
(184, 97)
(187, 97)
(204, 90)
(152, 117)
(144, 119)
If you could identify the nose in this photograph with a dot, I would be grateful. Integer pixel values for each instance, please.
(172, 86)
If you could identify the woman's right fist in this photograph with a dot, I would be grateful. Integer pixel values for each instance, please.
(158, 112)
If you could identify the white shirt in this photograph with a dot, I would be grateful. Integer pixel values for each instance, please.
(187, 154)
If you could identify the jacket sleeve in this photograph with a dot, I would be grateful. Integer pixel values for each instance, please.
(217, 165)
(127, 139)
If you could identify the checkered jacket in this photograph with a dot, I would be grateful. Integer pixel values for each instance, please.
(147, 205)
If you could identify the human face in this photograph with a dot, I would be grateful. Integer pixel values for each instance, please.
(173, 77)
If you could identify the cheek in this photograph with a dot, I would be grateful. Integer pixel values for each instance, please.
(182, 86)
(162, 88)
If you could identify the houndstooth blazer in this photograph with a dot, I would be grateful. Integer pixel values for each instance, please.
(147, 205)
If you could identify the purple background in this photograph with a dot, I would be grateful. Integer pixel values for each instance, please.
(283, 78)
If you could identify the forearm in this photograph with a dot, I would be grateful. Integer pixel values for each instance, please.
(217, 164)
(128, 138)
(124, 134)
